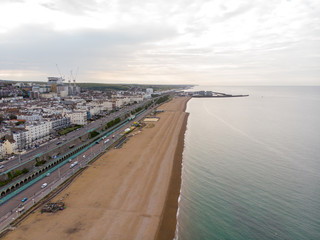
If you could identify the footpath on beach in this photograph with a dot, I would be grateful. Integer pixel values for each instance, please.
(128, 193)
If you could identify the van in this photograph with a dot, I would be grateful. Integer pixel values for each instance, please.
(44, 185)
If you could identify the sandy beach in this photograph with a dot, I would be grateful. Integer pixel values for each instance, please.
(129, 193)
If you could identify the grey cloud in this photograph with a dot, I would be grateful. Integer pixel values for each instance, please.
(74, 7)
(242, 9)
(33, 46)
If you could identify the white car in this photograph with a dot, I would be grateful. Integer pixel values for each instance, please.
(1, 166)
(44, 185)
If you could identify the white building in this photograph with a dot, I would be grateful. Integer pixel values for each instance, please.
(107, 105)
(21, 138)
(149, 91)
(38, 133)
(30, 118)
(136, 99)
(94, 110)
(78, 117)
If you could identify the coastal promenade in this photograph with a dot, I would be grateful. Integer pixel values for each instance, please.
(125, 193)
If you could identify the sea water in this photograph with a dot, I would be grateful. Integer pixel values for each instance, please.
(251, 165)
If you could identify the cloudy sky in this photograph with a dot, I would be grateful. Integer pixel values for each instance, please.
(212, 42)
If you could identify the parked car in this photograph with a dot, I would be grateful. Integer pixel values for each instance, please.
(44, 185)
(25, 199)
(1, 166)
(47, 174)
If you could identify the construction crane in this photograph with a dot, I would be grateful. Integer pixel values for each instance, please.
(59, 72)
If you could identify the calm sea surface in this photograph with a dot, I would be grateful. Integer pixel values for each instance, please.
(251, 166)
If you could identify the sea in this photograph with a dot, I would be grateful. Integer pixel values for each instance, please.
(251, 165)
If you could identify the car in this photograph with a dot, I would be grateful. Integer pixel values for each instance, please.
(47, 174)
(70, 160)
(58, 143)
(25, 199)
(1, 166)
(44, 185)
(106, 141)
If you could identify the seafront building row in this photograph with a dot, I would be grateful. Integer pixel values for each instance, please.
(43, 109)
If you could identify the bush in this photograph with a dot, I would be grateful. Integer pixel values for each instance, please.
(39, 163)
(93, 134)
(162, 99)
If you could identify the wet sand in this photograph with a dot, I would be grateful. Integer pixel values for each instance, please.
(129, 193)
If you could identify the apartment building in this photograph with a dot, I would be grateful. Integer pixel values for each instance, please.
(38, 132)
(30, 118)
(21, 138)
(60, 123)
(78, 117)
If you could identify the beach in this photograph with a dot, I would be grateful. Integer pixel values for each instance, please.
(128, 193)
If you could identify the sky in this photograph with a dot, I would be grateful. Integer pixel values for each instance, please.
(205, 42)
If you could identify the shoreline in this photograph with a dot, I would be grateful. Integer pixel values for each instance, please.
(128, 193)
(168, 222)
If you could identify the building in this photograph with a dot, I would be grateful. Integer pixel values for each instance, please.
(78, 117)
(10, 146)
(149, 91)
(3, 151)
(30, 118)
(38, 133)
(60, 123)
(21, 138)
